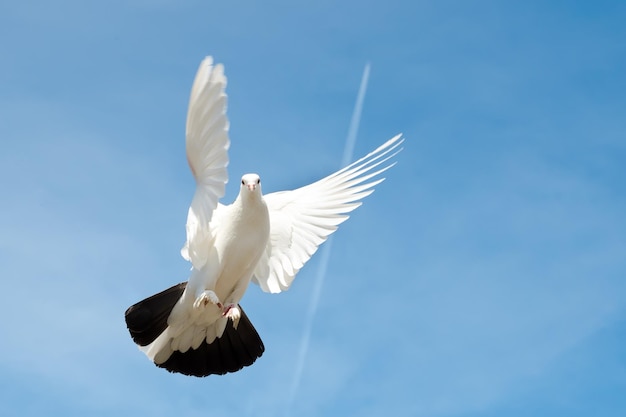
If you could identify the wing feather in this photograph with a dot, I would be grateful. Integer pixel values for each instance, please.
(207, 146)
(302, 219)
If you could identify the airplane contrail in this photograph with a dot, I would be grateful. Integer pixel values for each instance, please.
(325, 250)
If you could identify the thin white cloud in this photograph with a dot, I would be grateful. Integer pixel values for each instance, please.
(326, 250)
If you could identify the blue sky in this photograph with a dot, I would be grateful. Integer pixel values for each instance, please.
(485, 277)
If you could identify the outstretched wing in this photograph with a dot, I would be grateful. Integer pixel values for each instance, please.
(302, 219)
(207, 153)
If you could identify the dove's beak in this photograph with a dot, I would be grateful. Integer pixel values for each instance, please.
(251, 187)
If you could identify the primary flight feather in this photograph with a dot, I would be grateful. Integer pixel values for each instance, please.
(198, 327)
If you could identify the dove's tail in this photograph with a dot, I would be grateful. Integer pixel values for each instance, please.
(147, 319)
(236, 348)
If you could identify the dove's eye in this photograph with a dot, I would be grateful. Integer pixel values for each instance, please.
(243, 182)
(258, 181)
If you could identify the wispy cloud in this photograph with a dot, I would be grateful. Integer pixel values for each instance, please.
(326, 250)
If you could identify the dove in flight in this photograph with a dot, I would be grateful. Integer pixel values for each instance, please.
(198, 327)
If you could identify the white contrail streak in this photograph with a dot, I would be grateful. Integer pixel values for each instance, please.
(325, 250)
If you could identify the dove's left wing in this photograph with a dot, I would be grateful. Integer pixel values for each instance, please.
(207, 153)
(302, 219)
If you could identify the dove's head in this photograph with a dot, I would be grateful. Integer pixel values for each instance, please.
(251, 183)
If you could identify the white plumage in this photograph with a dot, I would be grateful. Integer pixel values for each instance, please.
(266, 239)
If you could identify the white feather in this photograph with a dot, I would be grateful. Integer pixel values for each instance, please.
(207, 146)
(302, 219)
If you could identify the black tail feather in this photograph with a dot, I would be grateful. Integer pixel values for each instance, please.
(147, 319)
(237, 348)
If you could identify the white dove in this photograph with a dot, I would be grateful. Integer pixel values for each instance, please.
(198, 327)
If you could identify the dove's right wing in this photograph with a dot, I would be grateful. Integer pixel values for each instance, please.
(300, 220)
(207, 153)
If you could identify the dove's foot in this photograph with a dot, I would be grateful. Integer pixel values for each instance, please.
(231, 311)
(205, 298)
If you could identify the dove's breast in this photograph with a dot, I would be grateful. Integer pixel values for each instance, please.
(242, 239)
